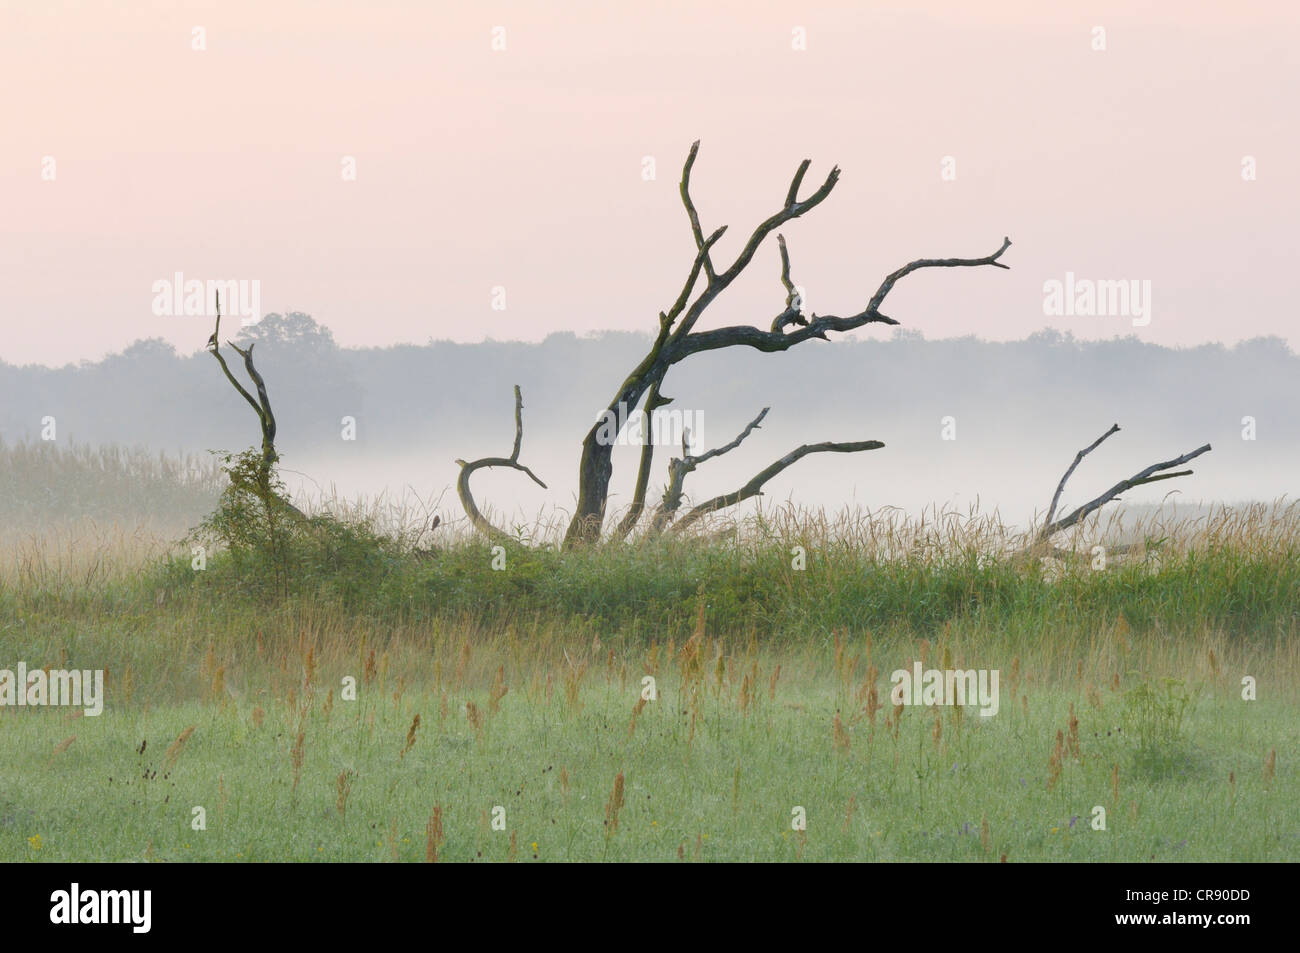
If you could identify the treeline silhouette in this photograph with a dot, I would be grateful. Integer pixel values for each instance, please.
(1038, 399)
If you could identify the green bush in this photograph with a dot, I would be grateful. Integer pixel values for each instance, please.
(272, 549)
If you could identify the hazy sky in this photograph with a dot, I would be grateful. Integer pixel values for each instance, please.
(525, 168)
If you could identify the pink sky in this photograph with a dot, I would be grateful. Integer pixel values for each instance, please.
(523, 168)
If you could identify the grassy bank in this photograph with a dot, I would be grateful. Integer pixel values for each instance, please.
(1121, 689)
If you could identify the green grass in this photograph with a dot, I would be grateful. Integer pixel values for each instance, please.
(1150, 653)
(726, 794)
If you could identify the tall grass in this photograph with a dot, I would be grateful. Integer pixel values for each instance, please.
(519, 683)
(46, 484)
(780, 575)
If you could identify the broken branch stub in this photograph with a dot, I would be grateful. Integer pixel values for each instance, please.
(476, 517)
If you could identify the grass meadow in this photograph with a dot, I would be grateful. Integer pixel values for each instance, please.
(397, 698)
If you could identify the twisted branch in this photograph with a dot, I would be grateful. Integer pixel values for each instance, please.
(476, 517)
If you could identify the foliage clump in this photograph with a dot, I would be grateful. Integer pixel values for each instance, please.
(273, 549)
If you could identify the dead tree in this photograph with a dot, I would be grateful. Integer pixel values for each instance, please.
(476, 517)
(679, 467)
(261, 406)
(1041, 544)
(677, 339)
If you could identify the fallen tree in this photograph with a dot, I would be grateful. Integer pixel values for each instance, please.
(1041, 544)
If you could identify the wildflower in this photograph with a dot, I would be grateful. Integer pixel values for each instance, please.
(35, 841)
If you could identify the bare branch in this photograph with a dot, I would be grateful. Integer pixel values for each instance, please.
(755, 486)
(873, 306)
(793, 302)
(216, 334)
(701, 258)
(476, 517)
(1078, 458)
(268, 418)
(1138, 479)
(679, 468)
(519, 425)
(792, 209)
(235, 383)
(1152, 474)
(703, 247)
(215, 344)
(820, 325)
(261, 406)
(692, 462)
(791, 292)
(792, 195)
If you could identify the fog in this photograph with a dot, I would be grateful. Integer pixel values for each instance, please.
(1019, 412)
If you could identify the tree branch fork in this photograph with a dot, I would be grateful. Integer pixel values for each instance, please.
(677, 339)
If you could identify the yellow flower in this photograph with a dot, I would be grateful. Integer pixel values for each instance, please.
(1055, 829)
(35, 841)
